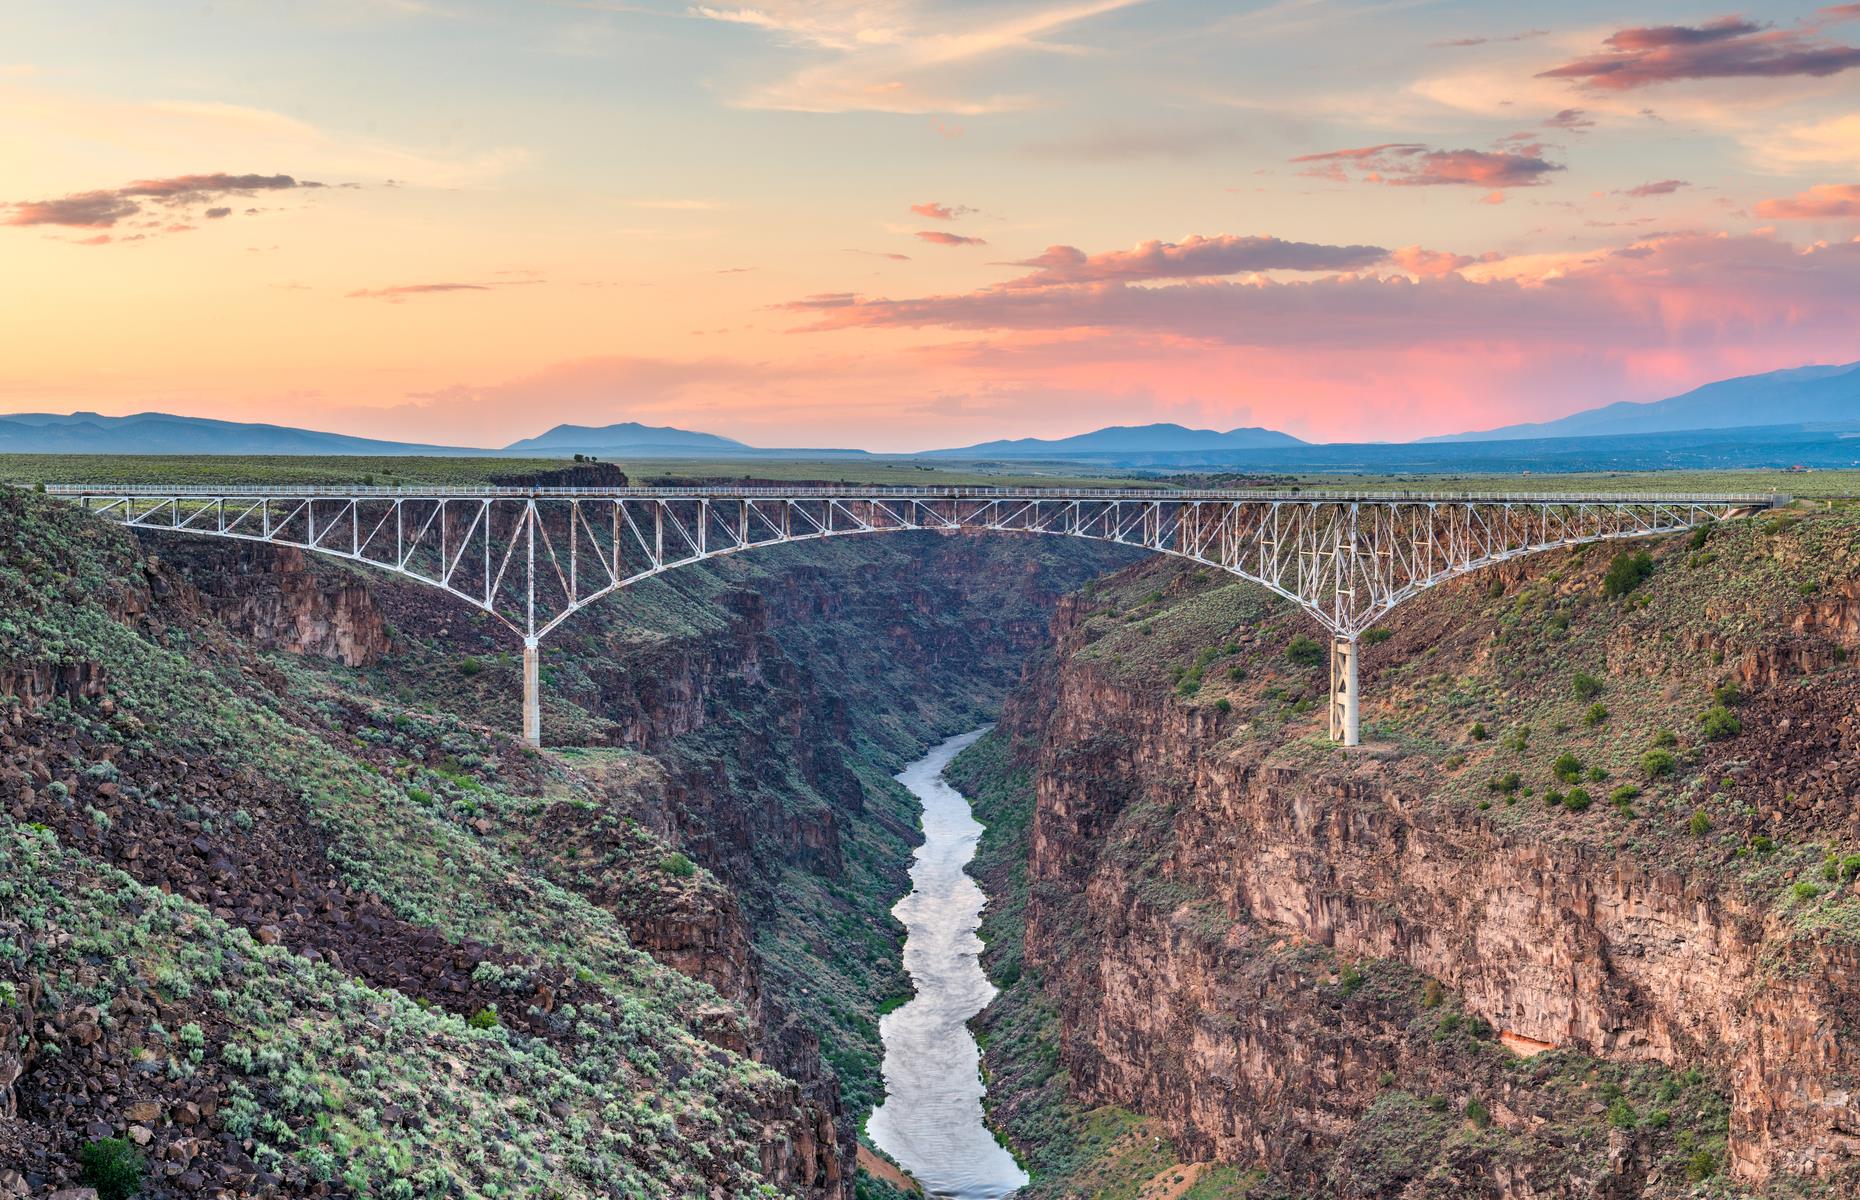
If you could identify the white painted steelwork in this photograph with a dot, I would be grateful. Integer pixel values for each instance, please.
(532, 558)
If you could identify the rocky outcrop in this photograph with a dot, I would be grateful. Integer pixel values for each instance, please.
(276, 597)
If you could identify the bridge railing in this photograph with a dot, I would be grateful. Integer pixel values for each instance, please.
(725, 492)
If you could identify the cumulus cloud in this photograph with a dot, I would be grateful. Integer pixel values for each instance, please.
(1430, 263)
(941, 212)
(942, 238)
(1411, 164)
(104, 208)
(1823, 202)
(1194, 257)
(1730, 47)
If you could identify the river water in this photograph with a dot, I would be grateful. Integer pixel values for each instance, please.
(931, 1120)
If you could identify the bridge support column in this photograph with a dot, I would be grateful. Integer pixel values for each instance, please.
(1345, 715)
(532, 693)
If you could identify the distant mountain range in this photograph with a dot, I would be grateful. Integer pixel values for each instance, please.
(164, 433)
(1807, 415)
(1802, 396)
(1121, 440)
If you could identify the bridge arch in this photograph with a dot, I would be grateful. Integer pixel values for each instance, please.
(533, 557)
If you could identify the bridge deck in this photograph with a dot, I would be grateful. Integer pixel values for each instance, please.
(877, 492)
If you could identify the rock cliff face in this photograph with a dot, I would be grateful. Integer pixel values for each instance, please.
(1183, 850)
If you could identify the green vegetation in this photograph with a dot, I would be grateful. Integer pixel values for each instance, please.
(1302, 651)
(1628, 570)
(113, 1166)
(1585, 686)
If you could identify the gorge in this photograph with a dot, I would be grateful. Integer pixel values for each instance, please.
(285, 908)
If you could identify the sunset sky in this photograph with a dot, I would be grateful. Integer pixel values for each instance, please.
(906, 224)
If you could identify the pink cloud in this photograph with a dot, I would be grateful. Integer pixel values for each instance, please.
(1191, 258)
(1824, 201)
(1409, 164)
(1731, 47)
(1661, 187)
(402, 291)
(1430, 263)
(941, 212)
(940, 238)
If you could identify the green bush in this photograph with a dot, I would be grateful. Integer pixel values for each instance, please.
(1304, 652)
(470, 666)
(1656, 763)
(113, 1167)
(1223, 706)
(1621, 1114)
(1665, 739)
(1806, 890)
(1719, 722)
(1701, 1166)
(484, 1018)
(1699, 825)
(1623, 794)
(1377, 636)
(1506, 783)
(1586, 686)
(1567, 768)
(1763, 843)
(676, 863)
(1577, 799)
(1627, 571)
(1699, 537)
(1478, 1114)
(1727, 694)
(1598, 712)
(1477, 733)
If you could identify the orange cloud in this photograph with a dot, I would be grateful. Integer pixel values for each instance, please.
(941, 212)
(940, 238)
(1824, 201)
(1430, 263)
(1191, 258)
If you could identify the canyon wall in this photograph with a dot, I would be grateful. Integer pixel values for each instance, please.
(1186, 850)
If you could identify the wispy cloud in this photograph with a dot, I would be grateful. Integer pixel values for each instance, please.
(105, 208)
(1483, 41)
(939, 237)
(941, 212)
(403, 291)
(1659, 187)
(894, 57)
(1410, 164)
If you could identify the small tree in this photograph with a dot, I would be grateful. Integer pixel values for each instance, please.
(1719, 722)
(1628, 571)
(1567, 767)
(113, 1167)
(1304, 652)
(1586, 686)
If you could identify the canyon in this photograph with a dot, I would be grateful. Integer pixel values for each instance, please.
(1232, 958)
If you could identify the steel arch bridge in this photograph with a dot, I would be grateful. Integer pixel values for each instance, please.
(533, 557)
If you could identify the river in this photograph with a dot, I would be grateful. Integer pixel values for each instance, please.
(931, 1120)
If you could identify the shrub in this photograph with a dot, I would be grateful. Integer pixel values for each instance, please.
(1377, 636)
(1598, 712)
(470, 666)
(1586, 686)
(1506, 783)
(1621, 1114)
(676, 863)
(1553, 798)
(1478, 1114)
(1763, 843)
(1628, 571)
(1806, 890)
(1304, 652)
(1223, 706)
(1656, 763)
(484, 1018)
(1477, 733)
(1665, 739)
(1699, 537)
(1567, 767)
(1350, 979)
(1701, 1166)
(1719, 722)
(1518, 739)
(1433, 994)
(113, 1167)
(1850, 868)
(1699, 825)
(1623, 794)
(1236, 673)
(1577, 799)
(1727, 694)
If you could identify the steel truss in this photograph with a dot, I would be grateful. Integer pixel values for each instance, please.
(532, 558)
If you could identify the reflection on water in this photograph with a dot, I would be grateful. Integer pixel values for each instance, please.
(931, 1120)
